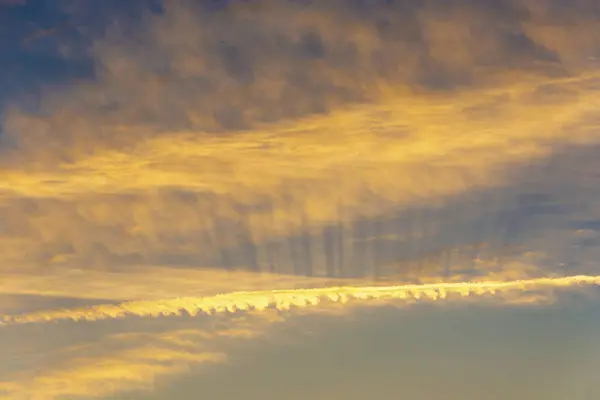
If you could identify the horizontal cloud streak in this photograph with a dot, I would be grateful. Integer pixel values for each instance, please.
(135, 361)
(286, 299)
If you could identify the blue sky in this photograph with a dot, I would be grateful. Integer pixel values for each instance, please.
(45, 42)
(29, 48)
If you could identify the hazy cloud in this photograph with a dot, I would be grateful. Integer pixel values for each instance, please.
(420, 141)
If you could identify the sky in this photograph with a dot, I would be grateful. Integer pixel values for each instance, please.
(325, 199)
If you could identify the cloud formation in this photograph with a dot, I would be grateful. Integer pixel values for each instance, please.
(247, 64)
(130, 357)
(143, 354)
(241, 136)
(342, 140)
(238, 200)
(283, 300)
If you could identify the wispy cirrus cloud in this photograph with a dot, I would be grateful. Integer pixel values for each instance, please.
(128, 359)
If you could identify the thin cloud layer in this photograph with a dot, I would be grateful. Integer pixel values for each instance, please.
(334, 139)
(242, 136)
(234, 201)
(187, 68)
(138, 360)
(122, 359)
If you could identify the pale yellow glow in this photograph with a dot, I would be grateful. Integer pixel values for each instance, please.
(288, 299)
(137, 283)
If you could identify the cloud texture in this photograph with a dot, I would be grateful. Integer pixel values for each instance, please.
(210, 136)
(279, 145)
